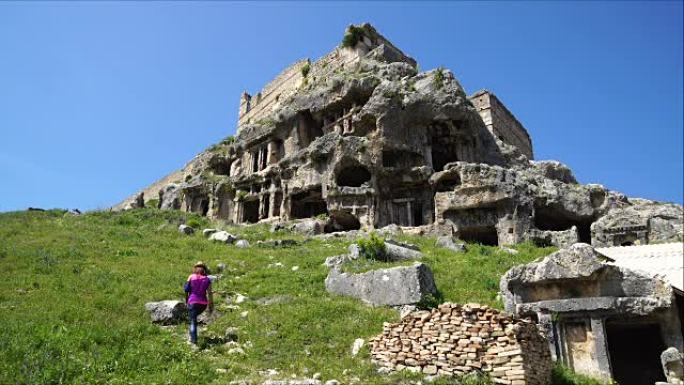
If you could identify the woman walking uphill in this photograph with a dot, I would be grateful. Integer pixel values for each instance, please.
(198, 296)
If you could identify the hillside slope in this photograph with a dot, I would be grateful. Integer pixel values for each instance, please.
(73, 290)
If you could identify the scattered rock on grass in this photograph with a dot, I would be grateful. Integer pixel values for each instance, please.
(277, 243)
(167, 312)
(395, 286)
(231, 334)
(242, 244)
(208, 232)
(508, 250)
(222, 236)
(356, 347)
(448, 242)
(185, 229)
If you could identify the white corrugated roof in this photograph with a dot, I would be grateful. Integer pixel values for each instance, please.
(665, 260)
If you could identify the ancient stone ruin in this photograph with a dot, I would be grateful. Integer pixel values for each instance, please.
(601, 318)
(364, 139)
(457, 340)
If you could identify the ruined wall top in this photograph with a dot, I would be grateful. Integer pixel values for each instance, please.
(258, 107)
(501, 122)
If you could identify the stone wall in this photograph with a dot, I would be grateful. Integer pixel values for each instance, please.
(501, 122)
(261, 105)
(456, 340)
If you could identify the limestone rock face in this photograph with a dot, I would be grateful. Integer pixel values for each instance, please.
(641, 222)
(360, 139)
(167, 312)
(395, 286)
(584, 281)
(169, 197)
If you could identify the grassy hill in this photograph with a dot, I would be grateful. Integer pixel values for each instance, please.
(73, 289)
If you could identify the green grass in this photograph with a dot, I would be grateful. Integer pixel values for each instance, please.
(73, 290)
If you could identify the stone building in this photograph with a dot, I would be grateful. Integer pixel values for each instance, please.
(608, 312)
(361, 137)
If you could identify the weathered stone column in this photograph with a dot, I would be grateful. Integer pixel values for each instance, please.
(601, 346)
(272, 202)
(237, 212)
(262, 210)
(272, 153)
(428, 155)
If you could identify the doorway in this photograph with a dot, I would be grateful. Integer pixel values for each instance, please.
(635, 353)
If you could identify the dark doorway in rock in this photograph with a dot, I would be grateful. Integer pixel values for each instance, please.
(342, 221)
(627, 239)
(417, 208)
(204, 207)
(634, 351)
(307, 204)
(553, 219)
(448, 183)
(277, 202)
(353, 176)
(250, 211)
(267, 204)
(441, 155)
(485, 235)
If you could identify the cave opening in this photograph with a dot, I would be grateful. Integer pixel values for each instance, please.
(220, 166)
(441, 155)
(250, 211)
(307, 204)
(548, 218)
(448, 183)
(484, 235)
(277, 201)
(342, 221)
(353, 176)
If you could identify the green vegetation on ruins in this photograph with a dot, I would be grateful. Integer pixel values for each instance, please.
(352, 36)
(73, 290)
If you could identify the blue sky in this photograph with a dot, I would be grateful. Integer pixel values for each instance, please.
(100, 99)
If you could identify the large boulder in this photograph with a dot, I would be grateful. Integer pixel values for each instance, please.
(394, 286)
(167, 312)
(310, 226)
(242, 244)
(137, 202)
(673, 366)
(223, 237)
(397, 251)
(169, 197)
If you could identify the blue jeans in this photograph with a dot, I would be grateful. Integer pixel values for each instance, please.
(194, 310)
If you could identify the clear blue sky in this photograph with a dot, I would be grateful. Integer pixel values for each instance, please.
(99, 99)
